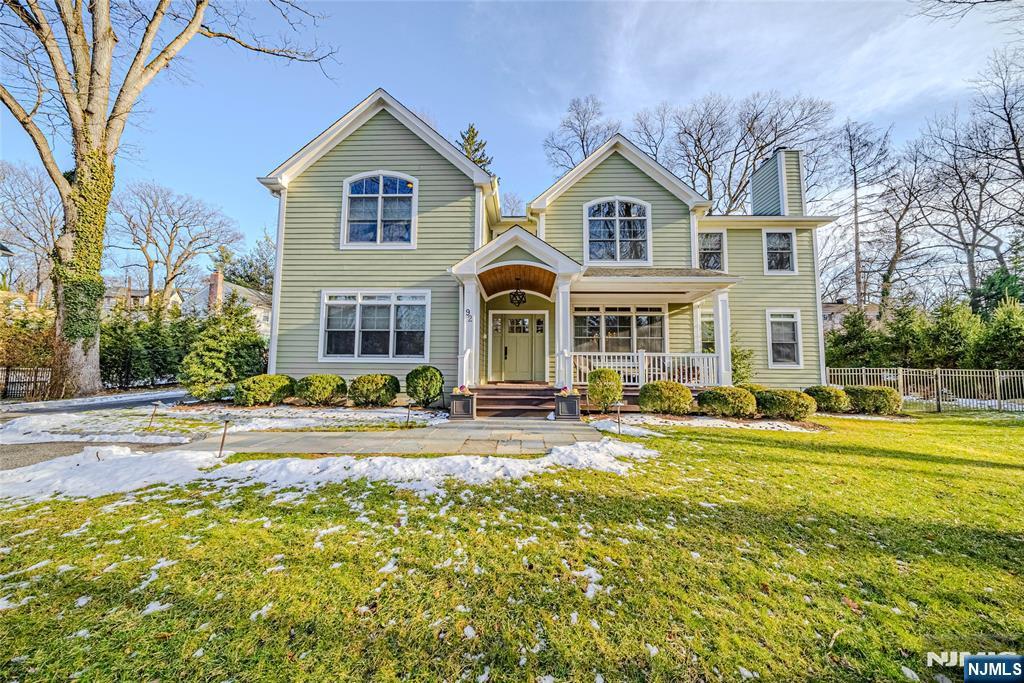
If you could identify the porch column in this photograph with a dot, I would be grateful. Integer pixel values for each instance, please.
(723, 337)
(563, 334)
(469, 354)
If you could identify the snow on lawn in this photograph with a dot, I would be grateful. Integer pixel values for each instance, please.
(173, 425)
(627, 429)
(98, 471)
(705, 421)
(162, 395)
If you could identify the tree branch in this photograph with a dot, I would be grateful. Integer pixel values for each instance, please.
(39, 140)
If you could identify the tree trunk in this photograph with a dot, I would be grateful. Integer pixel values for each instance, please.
(78, 283)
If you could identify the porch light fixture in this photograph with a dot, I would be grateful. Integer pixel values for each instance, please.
(517, 297)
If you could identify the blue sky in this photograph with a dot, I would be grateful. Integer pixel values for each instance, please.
(226, 117)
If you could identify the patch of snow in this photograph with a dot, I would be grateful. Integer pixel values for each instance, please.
(627, 429)
(83, 601)
(469, 633)
(652, 650)
(7, 603)
(593, 578)
(390, 567)
(164, 395)
(49, 428)
(26, 570)
(909, 673)
(156, 606)
(712, 422)
(262, 612)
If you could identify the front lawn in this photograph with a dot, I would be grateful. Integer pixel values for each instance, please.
(835, 555)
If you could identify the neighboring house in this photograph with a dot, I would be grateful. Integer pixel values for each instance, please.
(834, 312)
(219, 289)
(392, 252)
(134, 298)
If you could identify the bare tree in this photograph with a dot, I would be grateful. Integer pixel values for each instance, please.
(30, 219)
(652, 132)
(581, 131)
(720, 141)
(971, 208)
(79, 71)
(834, 266)
(512, 204)
(168, 231)
(999, 103)
(866, 157)
(1009, 12)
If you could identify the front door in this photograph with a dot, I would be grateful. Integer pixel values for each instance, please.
(518, 347)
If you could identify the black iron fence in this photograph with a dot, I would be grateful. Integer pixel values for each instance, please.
(27, 383)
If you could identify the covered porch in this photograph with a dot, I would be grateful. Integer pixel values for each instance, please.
(532, 315)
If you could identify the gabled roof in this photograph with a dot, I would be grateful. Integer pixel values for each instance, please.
(379, 100)
(620, 144)
(558, 261)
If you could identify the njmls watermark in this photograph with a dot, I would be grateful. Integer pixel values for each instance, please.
(982, 667)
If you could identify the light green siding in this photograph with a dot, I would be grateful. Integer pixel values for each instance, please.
(515, 254)
(680, 328)
(794, 184)
(563, 222)
(757, 292)
(765, 197)
(502, 304)
(312, 260)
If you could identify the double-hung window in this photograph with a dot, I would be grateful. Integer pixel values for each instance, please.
(618, 231)
(712, 250)
(784, 339)
(379, 211)
(619, 329)
(707, 333)
(374, 325)
(779, 252)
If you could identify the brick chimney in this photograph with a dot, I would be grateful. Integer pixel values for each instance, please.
(216, 295)
(777, 185)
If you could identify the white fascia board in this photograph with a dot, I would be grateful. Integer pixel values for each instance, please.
(619, 143)
(514, 237)
(379, 100)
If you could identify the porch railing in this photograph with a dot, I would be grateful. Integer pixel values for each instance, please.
(637, 369)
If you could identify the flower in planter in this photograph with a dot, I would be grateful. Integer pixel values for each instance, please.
(568, 391)
(461, 390)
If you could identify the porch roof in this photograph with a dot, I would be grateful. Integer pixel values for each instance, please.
(682, 285)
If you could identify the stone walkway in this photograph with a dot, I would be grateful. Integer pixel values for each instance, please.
(486, 436)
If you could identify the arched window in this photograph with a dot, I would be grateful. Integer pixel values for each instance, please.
(379, 211)
(618, 230)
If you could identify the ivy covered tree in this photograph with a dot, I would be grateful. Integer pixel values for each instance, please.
(1001, 344)
(76, 71)
(475, 147)
(227, 350)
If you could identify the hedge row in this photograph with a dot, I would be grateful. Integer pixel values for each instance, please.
(423, 385)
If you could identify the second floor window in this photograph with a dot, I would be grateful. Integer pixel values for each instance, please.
(618, 230)
(380, 211)
(780, 252)
(712, 250)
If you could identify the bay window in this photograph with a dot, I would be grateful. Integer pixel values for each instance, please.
(380, 326)
(618, 230)
(619, 329)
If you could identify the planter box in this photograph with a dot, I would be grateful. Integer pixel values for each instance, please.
(567, 407)
(463, 407)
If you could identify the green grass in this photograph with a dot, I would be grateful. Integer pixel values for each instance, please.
(836, 555)
(367, 427)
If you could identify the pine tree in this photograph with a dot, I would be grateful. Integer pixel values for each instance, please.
(227, 350)
(950, 336)
(474, 147)
(1001, 344)
(856, 344)
(901, 338)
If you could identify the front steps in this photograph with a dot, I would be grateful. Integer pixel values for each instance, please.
(506, 399)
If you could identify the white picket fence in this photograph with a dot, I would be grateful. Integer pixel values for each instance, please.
(942, 389)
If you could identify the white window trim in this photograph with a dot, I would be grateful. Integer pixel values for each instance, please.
(700, 318)
(662, 308)
(617, 262)
(725, 247)
(325, 293)
(764, 251)
(344, 244)
(768, 313)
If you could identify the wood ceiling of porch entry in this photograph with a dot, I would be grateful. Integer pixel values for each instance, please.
(527, 278)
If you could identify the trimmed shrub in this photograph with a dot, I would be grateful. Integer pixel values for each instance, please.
(321, 390)
(727, 402)
(373, 390)
(663, 396)
(228, 349)
(751, 387)
(393, 384)
(264, 389)
(424, 384)
(786, 404)
(874, 400)
(604, 387)
(829, 399)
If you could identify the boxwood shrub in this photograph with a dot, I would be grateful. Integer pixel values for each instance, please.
(604, 387)
(727, 402)
(321, 390)
(751, 387)
(424, 384)
(263, 390)
(664, 396)
(373, 390)
(829, 399)
(874, 400)
(786, 404)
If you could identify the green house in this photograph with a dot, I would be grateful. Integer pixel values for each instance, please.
(393, 252)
